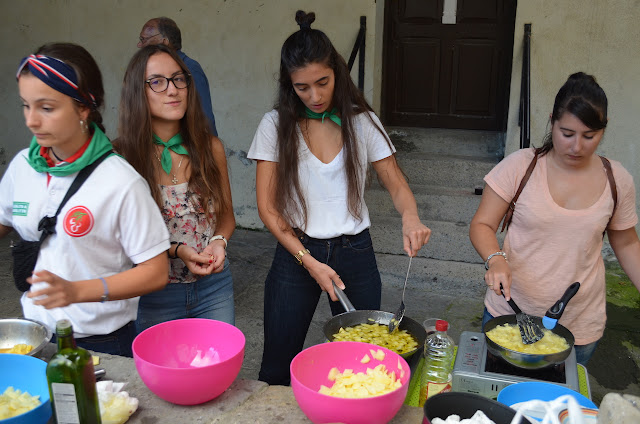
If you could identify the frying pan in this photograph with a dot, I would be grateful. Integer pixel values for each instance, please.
(352, 317)
(527, 360)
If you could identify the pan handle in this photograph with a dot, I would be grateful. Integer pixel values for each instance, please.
(344, 300)
(555, 312)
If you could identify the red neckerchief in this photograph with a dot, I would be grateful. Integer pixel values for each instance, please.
(44, 152)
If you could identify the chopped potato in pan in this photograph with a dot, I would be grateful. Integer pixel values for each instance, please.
(400, 341)
(508, 336)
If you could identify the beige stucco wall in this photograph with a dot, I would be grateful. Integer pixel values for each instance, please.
(594, 36)
(236, 42)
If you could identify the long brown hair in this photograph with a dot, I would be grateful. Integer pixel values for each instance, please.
(135, 141)
(302, 48)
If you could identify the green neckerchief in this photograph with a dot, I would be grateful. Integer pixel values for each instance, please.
(98, 146)
(331, 115)
(175, 144)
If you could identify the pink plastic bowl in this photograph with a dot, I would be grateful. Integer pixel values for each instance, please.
(189, 361)
(310, 368)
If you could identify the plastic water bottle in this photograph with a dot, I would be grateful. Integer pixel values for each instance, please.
(438, 355)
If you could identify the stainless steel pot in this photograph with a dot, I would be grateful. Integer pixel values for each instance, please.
(14, 331)
(527, 360)
(356, 317)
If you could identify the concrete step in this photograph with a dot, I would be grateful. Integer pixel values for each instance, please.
(445, 141)
(449, 241)
(434, 203)
(456, 171)
(446, 277)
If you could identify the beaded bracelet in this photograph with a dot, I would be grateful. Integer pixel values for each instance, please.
(500, 253)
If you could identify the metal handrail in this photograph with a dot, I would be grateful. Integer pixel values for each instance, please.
(524, 118)
(359, 47)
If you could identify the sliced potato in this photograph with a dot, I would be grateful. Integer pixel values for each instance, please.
(508, 336)
(374, 382)
(400, 341)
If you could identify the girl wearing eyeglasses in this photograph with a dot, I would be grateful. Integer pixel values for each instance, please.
(165, 135)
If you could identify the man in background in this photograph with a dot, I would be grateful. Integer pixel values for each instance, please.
(165, 31)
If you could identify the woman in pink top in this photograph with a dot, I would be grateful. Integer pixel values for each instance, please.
(556, 233)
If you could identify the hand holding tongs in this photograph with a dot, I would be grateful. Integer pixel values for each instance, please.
(529, 330)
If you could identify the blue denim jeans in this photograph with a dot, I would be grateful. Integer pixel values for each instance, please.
(208, 297)
(583, 352)
(115, 343)
(291, 296)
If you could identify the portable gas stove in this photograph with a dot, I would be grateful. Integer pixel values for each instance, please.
(477, 370)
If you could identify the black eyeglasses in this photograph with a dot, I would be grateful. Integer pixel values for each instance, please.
(160, 84)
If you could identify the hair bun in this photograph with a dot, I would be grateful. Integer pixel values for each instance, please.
(304, 20)
(581, 76)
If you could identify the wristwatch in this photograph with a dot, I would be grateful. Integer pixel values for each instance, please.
(220, 237)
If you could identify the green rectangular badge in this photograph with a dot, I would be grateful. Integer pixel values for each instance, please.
(20, 208)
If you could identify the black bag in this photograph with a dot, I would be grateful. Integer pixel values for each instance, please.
(25, 253)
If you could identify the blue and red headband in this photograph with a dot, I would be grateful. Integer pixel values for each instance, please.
(57, 75)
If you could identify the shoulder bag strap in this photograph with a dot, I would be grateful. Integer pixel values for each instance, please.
(48, 224)
(512, 206)
(612, 184)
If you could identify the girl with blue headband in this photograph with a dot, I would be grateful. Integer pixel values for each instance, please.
(85, 266)
(312, 154)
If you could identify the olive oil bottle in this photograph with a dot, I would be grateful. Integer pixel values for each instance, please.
(72, 382)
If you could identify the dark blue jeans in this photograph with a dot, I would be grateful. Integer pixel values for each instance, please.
(116, 343)
(291, 296)
(208, 297)
(583, 352)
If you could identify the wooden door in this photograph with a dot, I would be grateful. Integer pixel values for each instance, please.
(447, 75)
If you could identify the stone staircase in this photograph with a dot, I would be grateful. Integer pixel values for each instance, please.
(444, 168)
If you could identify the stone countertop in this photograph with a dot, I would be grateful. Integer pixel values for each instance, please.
(246, 401)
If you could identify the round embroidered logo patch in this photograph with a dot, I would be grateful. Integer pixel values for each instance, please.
(78, 221)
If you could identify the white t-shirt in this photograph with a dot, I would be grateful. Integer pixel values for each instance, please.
(110, 224)
(324, 185)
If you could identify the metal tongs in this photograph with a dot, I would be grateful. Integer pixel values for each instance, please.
(396, 319)
(529, 330)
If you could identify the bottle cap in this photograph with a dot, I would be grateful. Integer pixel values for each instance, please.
(442, 325)
(63, 327)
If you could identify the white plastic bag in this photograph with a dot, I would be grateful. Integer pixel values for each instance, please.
(549, 411)
(116, 406)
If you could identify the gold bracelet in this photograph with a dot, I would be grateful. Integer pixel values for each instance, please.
(300, 254)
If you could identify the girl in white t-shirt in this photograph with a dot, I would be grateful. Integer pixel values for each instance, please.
(84, 272)
(555, 236)
(313, 151)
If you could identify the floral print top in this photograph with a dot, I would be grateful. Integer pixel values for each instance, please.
(187, 223)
